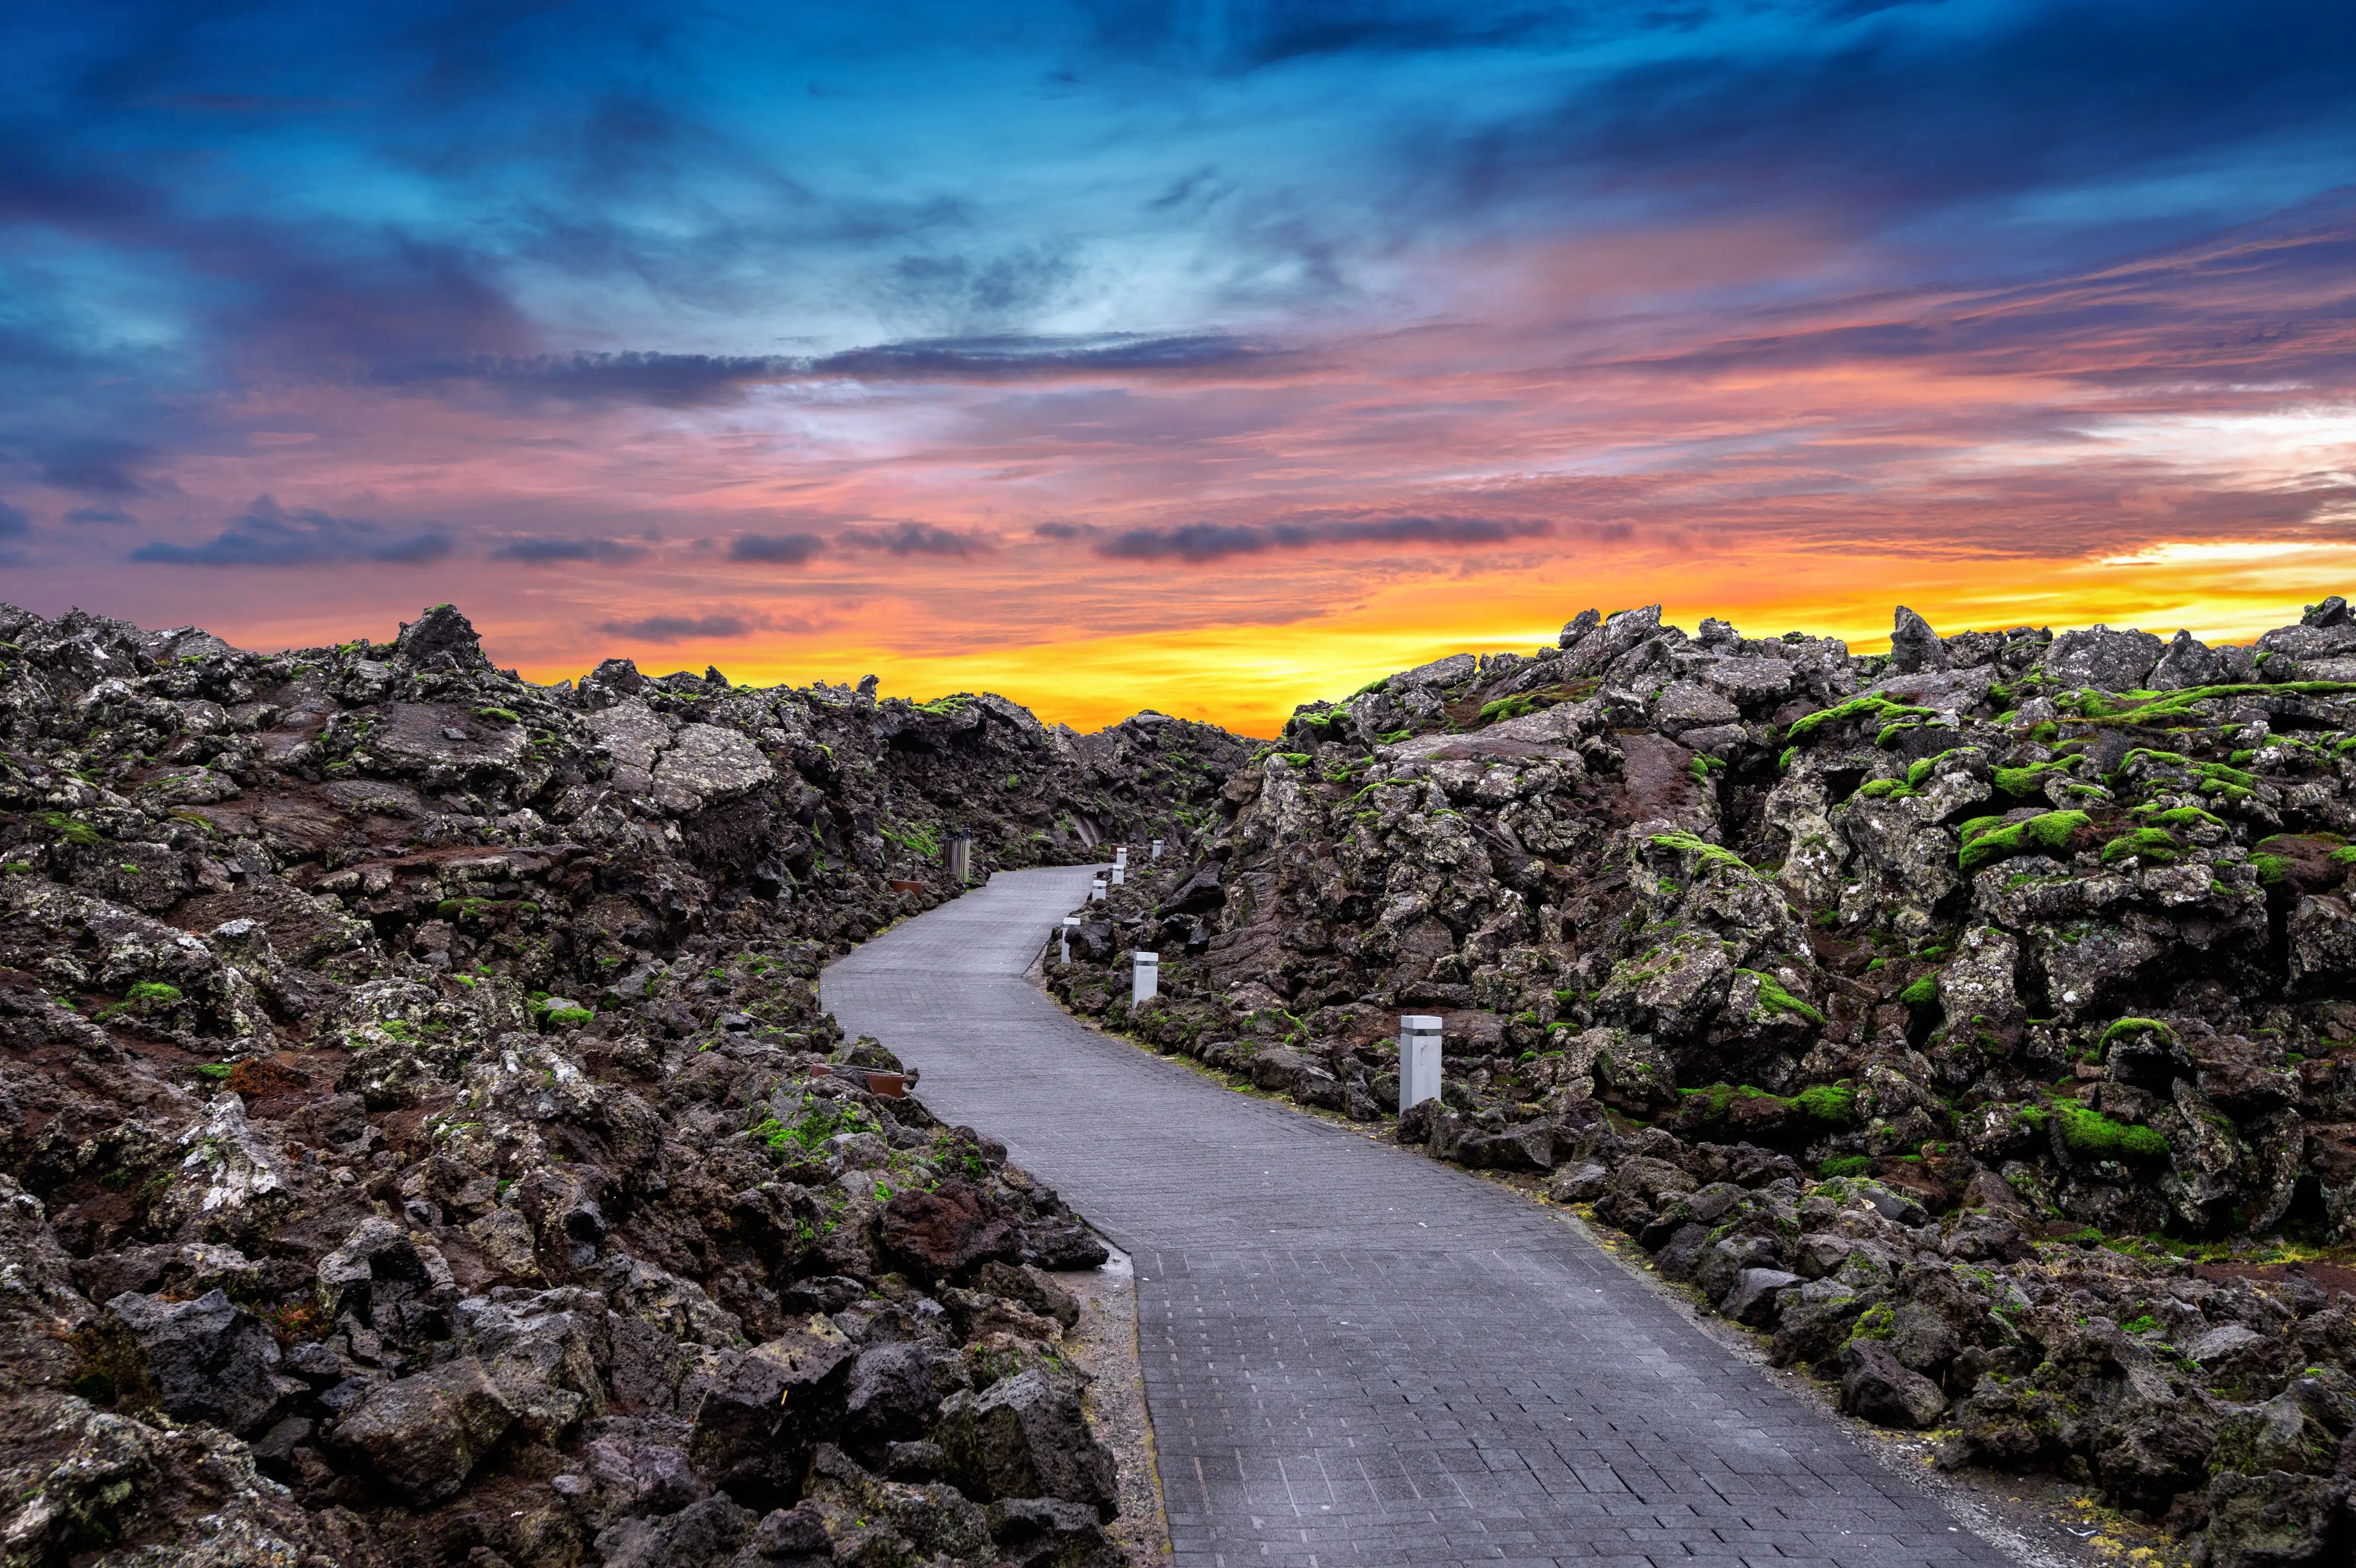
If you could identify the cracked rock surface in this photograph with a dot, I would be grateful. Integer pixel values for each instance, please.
(421, 1143)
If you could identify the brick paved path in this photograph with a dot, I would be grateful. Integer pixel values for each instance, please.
(1355, 1355)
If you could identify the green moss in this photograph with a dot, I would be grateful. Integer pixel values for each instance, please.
(2025, 784)
(1298, 759)
(1835, 1104)
(2090, 1133)
(1504, 707)
(1879, 708)
(2150, 707)
(154, 994)
(1775, 999)
(2049, 833)
(2121, 1027)
(1375, 684)
(2154, 844)
(2271, 868)
(814, 1123)
(478, 908)
(1921, 993)
(1885, 789)
(570, 1015)
(2179, 816)
(1877, 1322)
(1712, 854)
(79, 834)
(216, 1070)
(499, 715)
(1843, 1165)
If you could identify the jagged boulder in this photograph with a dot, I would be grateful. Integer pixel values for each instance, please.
(1024, 1437)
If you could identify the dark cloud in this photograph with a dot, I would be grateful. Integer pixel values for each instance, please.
(1246, 37)
(913, 538)
(775, 549)
(99, 515)
(14, 522)
(961, 289)
(662, 380)
(702, 380)
(1903, 118)
(268, 534)
(543, 551)
(679, 628)
(1014, 357)
(94, 466)
(1064, 530)
(1213, 541)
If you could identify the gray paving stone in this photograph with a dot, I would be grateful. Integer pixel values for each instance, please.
(1354, 1356)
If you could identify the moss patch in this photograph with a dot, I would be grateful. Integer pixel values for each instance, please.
(2093, 1135)
(2049, 833)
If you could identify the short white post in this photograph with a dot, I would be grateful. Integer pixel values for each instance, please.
(1144, 977)
(1120, 858)
(1119, 875)
(960, 860)
(1064, 936)
(1418, 1061)
(1157, 848)
(1095, 890)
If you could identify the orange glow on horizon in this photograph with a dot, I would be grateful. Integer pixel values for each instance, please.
(1250, 677)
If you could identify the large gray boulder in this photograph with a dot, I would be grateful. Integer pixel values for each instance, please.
(422, 1437)
(2277, 1519)
(1914, 648)
(208, 1358)
(1025, 1437)
(2103, 659)
(766, 1413)
(700, 1535)
(1878, 1386)
(2188, 662)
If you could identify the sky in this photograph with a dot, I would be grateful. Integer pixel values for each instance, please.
(1210, 357)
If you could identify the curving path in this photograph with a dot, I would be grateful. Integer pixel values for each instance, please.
(1355, 1355)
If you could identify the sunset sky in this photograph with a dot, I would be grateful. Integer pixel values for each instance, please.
(1209, 356)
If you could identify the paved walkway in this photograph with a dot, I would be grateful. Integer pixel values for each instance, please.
(1355, 1355)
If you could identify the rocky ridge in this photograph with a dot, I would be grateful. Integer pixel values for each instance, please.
(419, 1142)
(1977, 1021)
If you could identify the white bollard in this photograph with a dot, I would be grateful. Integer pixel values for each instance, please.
(1418, 1061)
(1119, 875)
(1144, 977)
(1157, 848)
(1064, 937)
(1095, 890)
(1120, 858)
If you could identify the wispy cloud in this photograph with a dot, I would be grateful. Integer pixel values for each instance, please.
(1199, 543)
(549, 551)
(268, 534)
(775, 549)
(679, 628)
(913, 538)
